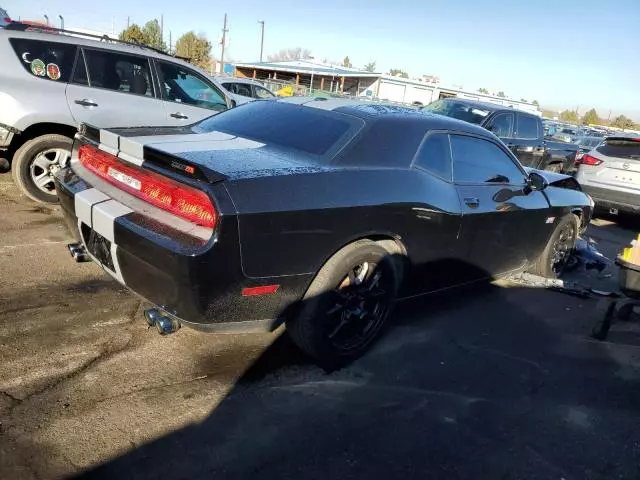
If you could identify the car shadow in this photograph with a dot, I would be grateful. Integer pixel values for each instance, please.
(480, 382)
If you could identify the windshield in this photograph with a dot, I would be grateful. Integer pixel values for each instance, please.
(459, 110)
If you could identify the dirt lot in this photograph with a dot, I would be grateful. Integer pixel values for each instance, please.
(489, 382)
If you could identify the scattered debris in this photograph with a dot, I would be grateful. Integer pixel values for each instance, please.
(588, 255)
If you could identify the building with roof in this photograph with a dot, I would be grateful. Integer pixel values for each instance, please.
(317, 76)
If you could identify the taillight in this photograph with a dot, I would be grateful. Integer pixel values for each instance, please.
(588, 160)
(174, 197)
(579, 155)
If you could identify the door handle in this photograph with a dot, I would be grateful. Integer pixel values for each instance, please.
(85, 102)
(525, 149)
(472, 202)
(179, 115)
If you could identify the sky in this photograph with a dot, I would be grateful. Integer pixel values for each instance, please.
(565, 54)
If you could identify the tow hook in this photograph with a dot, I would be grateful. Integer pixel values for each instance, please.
(165, 324)
(78, 252)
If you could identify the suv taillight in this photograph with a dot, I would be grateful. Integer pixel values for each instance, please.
(588, 160)
(174, 197)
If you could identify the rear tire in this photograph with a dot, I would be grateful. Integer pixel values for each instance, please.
(34, 164)
(560, 246)
(340, 318)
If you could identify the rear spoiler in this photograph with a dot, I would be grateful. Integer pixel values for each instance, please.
(139, 154)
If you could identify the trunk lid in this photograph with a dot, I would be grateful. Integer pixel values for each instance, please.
(620, 167)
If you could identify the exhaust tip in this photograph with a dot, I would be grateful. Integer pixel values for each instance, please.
(78, 252)
(164, 324)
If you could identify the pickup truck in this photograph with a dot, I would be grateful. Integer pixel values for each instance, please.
(522, 132)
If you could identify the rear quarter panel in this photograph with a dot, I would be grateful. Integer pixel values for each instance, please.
(292, 224)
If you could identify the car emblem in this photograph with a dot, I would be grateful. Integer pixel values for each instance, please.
(626, 165)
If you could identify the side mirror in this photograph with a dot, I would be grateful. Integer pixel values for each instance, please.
(537, 182)
(233, 103)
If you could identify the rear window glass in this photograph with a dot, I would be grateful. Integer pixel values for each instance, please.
(621, 148)
(310, 130)
(47, 60)
(461, 111)
(527, 127)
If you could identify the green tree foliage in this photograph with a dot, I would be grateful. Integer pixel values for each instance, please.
(501, 94)
(569, 116)
(153, 35)
(133, 34)
(397, 72)
(194, 47)
(591, 117)
(622, 122)
(370, 67)
(483, 90)
(346, 62)
(535, 102)
(549, 113)
(523, 100)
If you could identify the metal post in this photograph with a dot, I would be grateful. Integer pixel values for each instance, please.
(261, 22)
(61, 22)
(311, 84)
(224, 40)
(46, 17)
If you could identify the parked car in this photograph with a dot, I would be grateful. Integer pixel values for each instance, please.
(244, 90)
(5, 19)
(315, 213)
(51, 82)
(610, 173)
(585, 144)
(522, 132)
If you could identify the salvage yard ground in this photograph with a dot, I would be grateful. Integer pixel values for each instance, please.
(489, 382)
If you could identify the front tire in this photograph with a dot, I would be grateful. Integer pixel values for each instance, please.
(35, 162)
(347, 304)
(554, 259)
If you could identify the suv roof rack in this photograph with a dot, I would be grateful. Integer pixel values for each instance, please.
(23, 27)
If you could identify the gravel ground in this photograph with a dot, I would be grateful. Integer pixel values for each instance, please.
(487, 382)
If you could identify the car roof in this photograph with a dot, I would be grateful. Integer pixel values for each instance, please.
(249, 81)
(373, 111)
(55, 36)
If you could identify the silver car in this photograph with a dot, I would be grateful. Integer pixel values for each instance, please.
(5, 19)
(51, 82)
(244, 90)
(610, 173)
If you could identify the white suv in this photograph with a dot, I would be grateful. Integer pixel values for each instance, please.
(244, 90)
(51, 82)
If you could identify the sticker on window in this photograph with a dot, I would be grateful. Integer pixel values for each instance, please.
(53, 71)
(38, 68)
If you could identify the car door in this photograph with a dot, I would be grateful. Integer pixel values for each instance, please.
(114, 89)
(527, 142)
(188, 97)
(499, 209)
(502, 124)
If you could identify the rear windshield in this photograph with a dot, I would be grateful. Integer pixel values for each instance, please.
(461, 111)
(309, 130)
(48, 60)
(621, 148)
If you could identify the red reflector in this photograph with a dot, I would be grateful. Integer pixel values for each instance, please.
(588, 160)
(174, 197)
(262, 290)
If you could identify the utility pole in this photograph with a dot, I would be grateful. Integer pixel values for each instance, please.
(261, 22)
(128, 22)
(161, 30)
(224, 41)
(61, 22)
(46, 17)
(170, 42)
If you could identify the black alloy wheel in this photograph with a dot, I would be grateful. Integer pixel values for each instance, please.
(358, 306)
(562, 248)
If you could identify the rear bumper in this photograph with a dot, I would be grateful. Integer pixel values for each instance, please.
(199, 282)
(606, 198)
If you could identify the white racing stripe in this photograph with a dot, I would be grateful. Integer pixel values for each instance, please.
(85, 200)
(104, 216)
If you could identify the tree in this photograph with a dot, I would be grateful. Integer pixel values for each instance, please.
(523, 100)
(346, 62)
(501, 94)
(483, 90)
(194, 47)
(622, 122)
(370, 67)
(397, 72)
(286, 54)
(134, 34)
(153, 34)
(549, 113)
(535, 102)
(569, 116)
(591, 117)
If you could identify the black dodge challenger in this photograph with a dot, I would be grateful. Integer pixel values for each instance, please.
(316, 213)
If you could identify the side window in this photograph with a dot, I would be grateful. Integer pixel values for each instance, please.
(480, 161)
(527, 127)
(262, 92)
(80, 72)
(243, 89)
(502, 125)
(48, 60)
(119, 72)
(435, 155)
(230, 87)
(182, 85)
